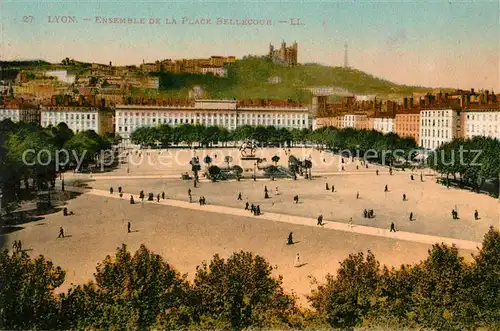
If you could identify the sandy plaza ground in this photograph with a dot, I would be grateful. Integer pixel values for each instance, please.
(185, 237)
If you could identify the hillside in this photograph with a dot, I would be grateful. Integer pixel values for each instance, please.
(249, 78)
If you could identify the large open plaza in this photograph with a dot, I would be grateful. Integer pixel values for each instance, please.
(186, 234)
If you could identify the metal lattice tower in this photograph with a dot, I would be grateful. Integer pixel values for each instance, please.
(346, 63)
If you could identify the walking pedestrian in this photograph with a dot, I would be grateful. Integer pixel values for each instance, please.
(327, 188)
(258, 210)
(265, 189)
(386, 189)
(119, 189)
(333, 188)
(239, 196)
(357, 195)
(320, 220)
(297, 261)
(163, 195)
(132, 200)
(277, 191)
(158, 197)
(110, 190)
(201, 201)
(350, 223)
(246, 205)
(393, 229)
(61, 232)
(376, 172)
(189, 192)
(411, 216)
(404, 197)
(476, 215)
(290, 239)
(128, 227)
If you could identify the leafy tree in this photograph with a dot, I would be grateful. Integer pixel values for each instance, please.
(135, 290)
(27, 292)
(485, 281)
(240, 292)
(214, 171)
(344, 301)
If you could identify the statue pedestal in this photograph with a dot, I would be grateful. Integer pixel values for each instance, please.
(250, 158)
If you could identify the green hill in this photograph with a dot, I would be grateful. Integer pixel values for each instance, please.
(249, 78)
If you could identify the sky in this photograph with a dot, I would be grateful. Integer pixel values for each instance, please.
(453, 44)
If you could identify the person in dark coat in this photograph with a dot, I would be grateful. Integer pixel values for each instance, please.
(258, 210)
(119, 189)
(110, 190)
(386, 189)
(296, 199)
(61, 232)
(376, 171)
(290, 239)
(239, 196)
(327, 188)
(393, 228)
(132, 200)
(476, 215)
(246, 205)
(163, 195)
(404, 197)
(128, 227)
(411, 216)
(333, 188)
(320, 220)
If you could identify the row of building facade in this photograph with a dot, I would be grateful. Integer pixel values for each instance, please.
(430, 125)
(434, 121)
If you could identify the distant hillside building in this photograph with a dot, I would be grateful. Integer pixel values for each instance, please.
(284, 55)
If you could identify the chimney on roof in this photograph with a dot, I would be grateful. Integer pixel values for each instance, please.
(405, 103)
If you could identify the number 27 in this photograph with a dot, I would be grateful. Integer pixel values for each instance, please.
(28, 19)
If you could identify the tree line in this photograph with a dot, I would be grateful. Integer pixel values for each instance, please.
(348, 139)
(470, 162)
(141, 290)
(28, 157)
